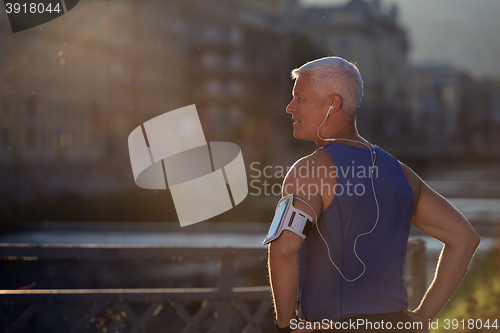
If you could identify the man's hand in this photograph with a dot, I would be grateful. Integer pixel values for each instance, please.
(303, 330)
(308, 330)
(417, 317)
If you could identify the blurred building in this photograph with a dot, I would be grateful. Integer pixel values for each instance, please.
(435, 95)
(237, 67)
(74, 88)
(369, 35)
(71, 90)
(452, 108)
(479, 109)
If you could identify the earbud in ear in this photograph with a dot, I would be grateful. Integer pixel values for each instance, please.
(330, 109)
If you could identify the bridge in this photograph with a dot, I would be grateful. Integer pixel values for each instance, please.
(217, 306)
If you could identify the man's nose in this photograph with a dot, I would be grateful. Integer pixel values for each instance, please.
(290, 107)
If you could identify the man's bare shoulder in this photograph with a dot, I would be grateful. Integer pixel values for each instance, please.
(310, 163)
(308, 178)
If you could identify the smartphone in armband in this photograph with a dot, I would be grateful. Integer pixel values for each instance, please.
(287, 217)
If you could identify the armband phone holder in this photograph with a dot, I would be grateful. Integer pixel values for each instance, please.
(287, 217)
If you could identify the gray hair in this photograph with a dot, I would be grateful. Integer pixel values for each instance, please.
(335, 75)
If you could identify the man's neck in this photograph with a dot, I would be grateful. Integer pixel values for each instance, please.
(348, 131)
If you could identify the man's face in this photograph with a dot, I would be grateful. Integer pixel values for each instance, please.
(305, 108)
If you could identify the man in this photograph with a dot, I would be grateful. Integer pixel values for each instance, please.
(351, 264)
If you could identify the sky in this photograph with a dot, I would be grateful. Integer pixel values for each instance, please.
(463, 33)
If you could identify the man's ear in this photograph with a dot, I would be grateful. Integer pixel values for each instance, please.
(335, 102)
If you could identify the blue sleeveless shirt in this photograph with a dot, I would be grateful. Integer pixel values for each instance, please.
(324, 294)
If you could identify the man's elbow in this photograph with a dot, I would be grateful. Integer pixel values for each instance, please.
(474, 240)
(466, 242)
(471, 241)
(281, 250)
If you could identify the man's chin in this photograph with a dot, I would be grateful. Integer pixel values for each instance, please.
(298, 135)
(301, 136)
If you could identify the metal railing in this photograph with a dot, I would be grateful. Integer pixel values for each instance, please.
(219, 303)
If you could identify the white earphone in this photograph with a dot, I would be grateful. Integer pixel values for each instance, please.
(373, 157)
(330, 109)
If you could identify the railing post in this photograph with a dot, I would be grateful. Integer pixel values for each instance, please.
(223, 315)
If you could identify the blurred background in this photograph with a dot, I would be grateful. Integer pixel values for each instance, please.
(72, 90)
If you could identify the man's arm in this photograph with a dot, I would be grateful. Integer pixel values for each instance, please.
(435, 216)
(284, 275)
(283, 252)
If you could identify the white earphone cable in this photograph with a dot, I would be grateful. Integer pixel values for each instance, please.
(373, 157)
